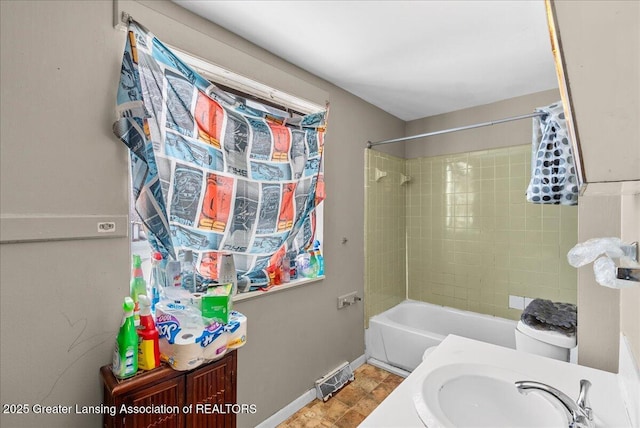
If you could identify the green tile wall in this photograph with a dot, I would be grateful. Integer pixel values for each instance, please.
(385, 229)
(472, 239)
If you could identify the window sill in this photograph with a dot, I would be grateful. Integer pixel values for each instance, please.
(295, 283)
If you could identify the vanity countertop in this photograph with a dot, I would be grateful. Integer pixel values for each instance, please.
(398, 410)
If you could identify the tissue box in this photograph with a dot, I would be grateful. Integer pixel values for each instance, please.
(217, 303)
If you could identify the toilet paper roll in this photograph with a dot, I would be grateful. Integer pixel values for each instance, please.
(172, 318)
(187, 336)
(237, 330)
(185, 353)
(213, 341)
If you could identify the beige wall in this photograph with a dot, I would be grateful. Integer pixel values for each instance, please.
(600, 41)
(601, 47)
(607, 209)
(60, 300)
(490, 137)
(630, 297)
(598, 307)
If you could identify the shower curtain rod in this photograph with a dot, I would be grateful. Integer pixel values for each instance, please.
(461, 128)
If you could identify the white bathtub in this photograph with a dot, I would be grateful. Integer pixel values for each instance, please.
(400, 335)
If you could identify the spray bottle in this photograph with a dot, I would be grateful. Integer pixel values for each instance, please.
(138, 287)
(125, 356)
(316, 249)
(314, 263)
(156, 280)
(148, 345)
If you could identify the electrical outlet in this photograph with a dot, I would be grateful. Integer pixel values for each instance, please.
(348, 299)
(516, 302)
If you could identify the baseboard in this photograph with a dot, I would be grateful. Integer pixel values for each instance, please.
(388, 367)
(290, 409)
(287, 411)
(358, 362)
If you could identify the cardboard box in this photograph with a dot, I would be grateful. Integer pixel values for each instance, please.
(217, 303)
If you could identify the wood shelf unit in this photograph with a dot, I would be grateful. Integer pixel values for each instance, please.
(212, 384)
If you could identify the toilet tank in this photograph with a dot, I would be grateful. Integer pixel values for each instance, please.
(545, 343)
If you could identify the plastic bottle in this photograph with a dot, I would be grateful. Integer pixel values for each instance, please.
(314, 264)
(286, 269)
(148, 344)
(187, 272)
(138, 287)
(156, 280)
(244, 284)
(125, 356)
(293, 268)
(228, 274)
(307, 265)
(172, 271)
(316, 249)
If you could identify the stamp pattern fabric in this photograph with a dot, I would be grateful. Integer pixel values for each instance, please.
(213, 172)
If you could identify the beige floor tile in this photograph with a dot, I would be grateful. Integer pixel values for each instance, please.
(350, 394)
(382, 391)
(333, 409)
(351, 419)
(349, 406)
(366, 405)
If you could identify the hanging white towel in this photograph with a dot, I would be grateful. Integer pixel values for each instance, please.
(553, 170)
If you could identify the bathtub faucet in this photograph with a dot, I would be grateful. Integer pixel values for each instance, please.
(579, 412)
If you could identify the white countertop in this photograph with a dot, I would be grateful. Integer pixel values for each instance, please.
(398, 411)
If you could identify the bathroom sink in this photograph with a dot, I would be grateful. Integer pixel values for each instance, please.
(479, 395)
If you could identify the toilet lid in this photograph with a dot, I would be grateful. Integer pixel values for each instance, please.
(428, 351)
(551, 337)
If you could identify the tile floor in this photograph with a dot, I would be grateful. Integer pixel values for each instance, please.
(349, 406)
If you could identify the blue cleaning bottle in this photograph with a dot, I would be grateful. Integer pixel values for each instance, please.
(316, 249)
(156, 280)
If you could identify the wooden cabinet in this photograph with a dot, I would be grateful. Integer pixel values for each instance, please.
(163, 397)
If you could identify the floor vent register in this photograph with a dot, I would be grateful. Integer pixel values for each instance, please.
(333, 381)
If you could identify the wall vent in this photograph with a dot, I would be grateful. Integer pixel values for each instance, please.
(333, 381)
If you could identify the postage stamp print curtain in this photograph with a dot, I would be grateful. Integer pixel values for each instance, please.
(211, 172)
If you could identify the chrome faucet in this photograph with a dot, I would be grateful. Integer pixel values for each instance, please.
(579, 412)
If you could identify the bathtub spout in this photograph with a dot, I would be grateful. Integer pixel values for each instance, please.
(579, 413)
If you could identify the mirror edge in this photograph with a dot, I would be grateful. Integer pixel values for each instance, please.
(565, 93)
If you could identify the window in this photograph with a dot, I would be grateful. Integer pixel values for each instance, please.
(268, 201)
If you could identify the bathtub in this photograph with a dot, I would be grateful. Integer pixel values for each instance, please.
(400, 335)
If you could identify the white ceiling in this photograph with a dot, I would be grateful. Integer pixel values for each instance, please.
(413, 59)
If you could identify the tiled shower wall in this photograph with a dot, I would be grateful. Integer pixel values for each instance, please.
(472, 239)
(385, 229)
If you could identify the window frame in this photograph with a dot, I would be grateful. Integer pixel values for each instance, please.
(255, 91)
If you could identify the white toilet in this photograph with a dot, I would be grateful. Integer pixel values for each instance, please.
(550, 344)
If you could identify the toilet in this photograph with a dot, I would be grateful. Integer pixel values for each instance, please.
(547, 343)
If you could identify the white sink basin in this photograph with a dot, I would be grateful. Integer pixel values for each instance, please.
(464, 382)
(479, 395)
